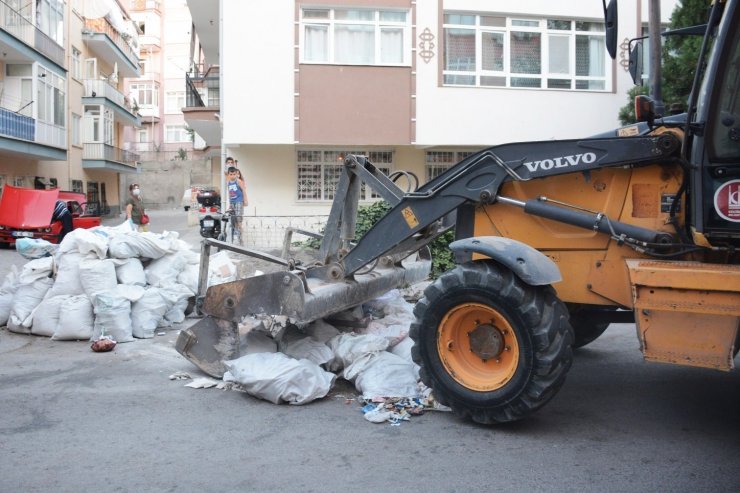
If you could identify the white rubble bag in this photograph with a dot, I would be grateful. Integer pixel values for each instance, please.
(163, 271)
(348, 347)
(67, 280)
(130, 271)
(32, 248)
(97, 276)
(26, 298)
(176, 296)
(7, 290)
(257, 341)
(147, 313)
(85, 241)
(220, 268)
(383, 374)
(301, 346)
(36, 269)
(46, 315)
(112, 317)
(141, 245)
(76, 320)
(278, 378)
(189, 277)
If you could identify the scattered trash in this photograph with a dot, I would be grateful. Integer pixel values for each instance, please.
(202, 383)
(180, 375)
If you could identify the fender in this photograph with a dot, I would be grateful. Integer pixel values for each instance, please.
(531, 265)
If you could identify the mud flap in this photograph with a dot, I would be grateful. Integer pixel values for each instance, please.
(208, 343)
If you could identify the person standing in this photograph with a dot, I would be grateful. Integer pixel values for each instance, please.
(135, 207)
(61, 213)
(237, 198)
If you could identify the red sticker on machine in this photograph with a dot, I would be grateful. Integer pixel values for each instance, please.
(727, 201)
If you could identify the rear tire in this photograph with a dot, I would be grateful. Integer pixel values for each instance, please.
(585, 331)
(491, 347)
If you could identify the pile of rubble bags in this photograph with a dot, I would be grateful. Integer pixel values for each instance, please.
(368, 345)
(111, 282)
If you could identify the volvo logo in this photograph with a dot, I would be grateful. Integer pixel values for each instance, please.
(561, 162)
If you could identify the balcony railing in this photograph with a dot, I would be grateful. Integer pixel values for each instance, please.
(192, 97)
(107, 152)
(104, 27)
(102, 89)
(17, 126)
(22, 28)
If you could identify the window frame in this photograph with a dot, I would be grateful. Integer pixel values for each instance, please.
(170, 130)
(525, 25)
(328, 165)
(331, 22)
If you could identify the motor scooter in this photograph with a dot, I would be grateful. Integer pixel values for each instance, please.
(209, 213)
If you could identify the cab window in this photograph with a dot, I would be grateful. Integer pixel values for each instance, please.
(724, 131)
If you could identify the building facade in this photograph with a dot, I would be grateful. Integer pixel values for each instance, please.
(62, 101)
(416, 86)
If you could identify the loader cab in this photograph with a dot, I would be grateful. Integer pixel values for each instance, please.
(713, 135)
(712, 126)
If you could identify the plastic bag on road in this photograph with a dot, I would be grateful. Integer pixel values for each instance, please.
(130, 271)
(142, 245)
(278, 378)
(46, 315)
(300, 346)
(85, 241)
(97, 276)
(220, 268)
(147, 313)
(36, 269)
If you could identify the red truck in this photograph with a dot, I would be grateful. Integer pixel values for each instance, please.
(27, 213)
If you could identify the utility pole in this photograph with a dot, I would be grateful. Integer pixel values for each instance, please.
(655, 56)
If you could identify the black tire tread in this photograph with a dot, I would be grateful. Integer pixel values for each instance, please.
(540, 309)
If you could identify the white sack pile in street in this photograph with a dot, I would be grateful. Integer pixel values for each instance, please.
(105, 282)
(301, 365)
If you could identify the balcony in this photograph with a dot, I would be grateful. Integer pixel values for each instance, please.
(201, 110)
(101, 92)
(15, 27)
(107, 157)
(22, 136)
(104, 40)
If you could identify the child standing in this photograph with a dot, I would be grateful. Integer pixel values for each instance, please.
(237, 198)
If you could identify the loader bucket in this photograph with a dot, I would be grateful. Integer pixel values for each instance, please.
(209, 343)
(292, 294)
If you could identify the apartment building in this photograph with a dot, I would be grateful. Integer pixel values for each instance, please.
(62, 109)
(414, 85)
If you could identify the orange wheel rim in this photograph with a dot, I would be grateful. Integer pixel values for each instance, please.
(478, 347)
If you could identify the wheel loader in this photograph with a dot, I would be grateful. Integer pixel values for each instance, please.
(555, 240)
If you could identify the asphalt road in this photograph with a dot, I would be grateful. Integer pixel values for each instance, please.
(77, 421)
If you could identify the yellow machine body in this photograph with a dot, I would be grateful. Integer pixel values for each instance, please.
(686, 311)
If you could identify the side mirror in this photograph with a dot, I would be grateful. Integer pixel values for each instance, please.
(635, 63)
(612, 23)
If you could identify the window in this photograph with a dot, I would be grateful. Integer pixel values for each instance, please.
(143, 135)
(147, 95)
(174, 101)
(77, 186)
(355, 36)
(176, 133)
(51, 97)
(496, 51)
(76, 64)
(319, 171)
(98, 124)
(76, 129)
(50, 19)
(437, 162)
(93, 198)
